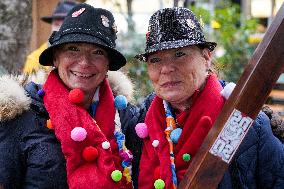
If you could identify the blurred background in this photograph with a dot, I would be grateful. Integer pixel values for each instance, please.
(236, 25)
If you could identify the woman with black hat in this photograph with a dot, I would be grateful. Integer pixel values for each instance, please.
(71, 135)
(187, 102)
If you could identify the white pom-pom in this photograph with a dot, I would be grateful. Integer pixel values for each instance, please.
(228, 89)
(105, 145)
(155, 143)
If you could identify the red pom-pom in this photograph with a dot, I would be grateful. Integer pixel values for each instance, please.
(76, 96)
(90, 153)
(157, 174)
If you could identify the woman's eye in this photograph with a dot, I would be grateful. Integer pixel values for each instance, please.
(154, 60)
(72, 48)
(179, 54)
(98, 52)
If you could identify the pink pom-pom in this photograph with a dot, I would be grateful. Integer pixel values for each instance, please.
(141, 130)
(76, 96)
(78, 134)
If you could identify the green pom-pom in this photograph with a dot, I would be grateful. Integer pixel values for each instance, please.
(159, 184)
(116, 175)
(186, 157)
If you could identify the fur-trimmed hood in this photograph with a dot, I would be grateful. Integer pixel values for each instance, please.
(14, 99)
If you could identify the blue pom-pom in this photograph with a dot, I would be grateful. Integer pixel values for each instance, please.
(40, 92)
(120, 102)
(175, 134)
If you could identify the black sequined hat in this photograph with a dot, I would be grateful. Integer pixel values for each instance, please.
(60, 11)
(171, 28)
(85, 23)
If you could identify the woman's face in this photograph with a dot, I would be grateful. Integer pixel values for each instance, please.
(81, 65)
(177, 73)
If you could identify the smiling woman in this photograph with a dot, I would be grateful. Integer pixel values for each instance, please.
(83, 66)
(71, 135)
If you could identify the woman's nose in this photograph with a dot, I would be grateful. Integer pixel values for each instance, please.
(84, 60)
(167, 66)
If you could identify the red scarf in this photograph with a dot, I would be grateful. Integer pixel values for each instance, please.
(65, 116)
(196, 125)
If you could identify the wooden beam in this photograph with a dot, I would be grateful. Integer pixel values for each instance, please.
(41, 30)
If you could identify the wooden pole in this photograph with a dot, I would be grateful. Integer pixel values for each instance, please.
(260, 75)
(41, 30)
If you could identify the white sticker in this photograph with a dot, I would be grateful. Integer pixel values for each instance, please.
(231, 136)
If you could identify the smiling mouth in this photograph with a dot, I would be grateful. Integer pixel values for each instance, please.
(83, 75)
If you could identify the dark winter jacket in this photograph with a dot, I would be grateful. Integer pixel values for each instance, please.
(31, 155)
(259, 161)
(36, 160)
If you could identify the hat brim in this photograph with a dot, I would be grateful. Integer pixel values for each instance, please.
(48, 19)
(173, 45)
(116, 59)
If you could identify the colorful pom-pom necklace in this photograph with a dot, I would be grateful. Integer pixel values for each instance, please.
(120, 104)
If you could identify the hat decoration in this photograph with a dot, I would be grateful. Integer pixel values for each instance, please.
(114, 27)
(105, 21)
(78, 12)
(172, 28)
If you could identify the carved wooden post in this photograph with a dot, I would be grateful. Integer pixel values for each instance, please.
(41, 30)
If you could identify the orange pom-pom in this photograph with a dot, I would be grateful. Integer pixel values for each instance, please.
(48, 124)
(90, 153)
(76, 96)
(157, 174)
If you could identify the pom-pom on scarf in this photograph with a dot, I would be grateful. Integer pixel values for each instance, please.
(65, 116)
(195, 123)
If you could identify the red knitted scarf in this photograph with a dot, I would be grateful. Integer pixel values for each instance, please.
(196, 125)
(65, 116)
